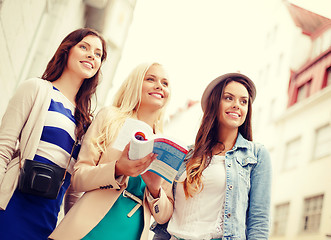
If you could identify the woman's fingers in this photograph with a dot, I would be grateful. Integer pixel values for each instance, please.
(143, 163)
(146, 160)
(127, 167)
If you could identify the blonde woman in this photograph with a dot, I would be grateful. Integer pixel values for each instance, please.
(119, 199)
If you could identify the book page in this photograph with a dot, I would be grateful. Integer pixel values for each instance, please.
(170, 157)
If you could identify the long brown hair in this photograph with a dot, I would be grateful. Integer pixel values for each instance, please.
(207, 136)
(55, 67)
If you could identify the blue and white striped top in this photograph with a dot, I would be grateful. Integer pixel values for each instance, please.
(37, 216)
(58, 135)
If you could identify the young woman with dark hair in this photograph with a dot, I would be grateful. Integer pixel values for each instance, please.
(225, 191)
(43, 121)
(56, 66)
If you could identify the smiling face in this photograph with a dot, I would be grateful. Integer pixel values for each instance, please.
(84, 58)
(155, 90)
(234, 105)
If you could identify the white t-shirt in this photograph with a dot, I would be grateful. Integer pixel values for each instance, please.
(201, 217)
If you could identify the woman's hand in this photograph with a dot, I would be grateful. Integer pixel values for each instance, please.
(127, 167)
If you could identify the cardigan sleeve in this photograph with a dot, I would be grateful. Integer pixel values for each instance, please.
(95, 169)
(162, 207)
(14, 119)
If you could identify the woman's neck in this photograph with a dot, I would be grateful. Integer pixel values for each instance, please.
(68, 86)
(148, 116)
(228, 137)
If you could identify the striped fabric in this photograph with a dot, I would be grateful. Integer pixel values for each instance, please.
(34, 217)
(58, 135)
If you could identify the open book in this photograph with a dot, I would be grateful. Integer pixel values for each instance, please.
(171, 153)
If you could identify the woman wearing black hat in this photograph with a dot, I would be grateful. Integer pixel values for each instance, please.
(225, 191)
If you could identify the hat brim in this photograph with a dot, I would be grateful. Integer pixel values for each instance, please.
(215, 82)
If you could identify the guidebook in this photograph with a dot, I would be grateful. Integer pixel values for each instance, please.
(171, 153)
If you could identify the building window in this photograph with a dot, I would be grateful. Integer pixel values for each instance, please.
(322, 142)
(303, 91)
(280, 219)
(312, 212)
(292, 154)
(327, 78)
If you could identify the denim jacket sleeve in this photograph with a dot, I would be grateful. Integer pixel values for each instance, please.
(258, 213)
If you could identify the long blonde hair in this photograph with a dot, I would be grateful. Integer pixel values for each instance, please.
(126, 104)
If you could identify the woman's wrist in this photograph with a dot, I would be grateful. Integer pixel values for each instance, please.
(117, 172)
(155, 192)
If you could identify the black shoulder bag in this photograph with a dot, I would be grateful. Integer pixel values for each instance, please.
(42, 179)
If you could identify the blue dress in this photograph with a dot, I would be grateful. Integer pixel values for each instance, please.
(33, 217)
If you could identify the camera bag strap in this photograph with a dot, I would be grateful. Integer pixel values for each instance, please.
(72, 151)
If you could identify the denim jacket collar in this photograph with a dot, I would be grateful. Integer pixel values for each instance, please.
(243, 151)
(241, 142)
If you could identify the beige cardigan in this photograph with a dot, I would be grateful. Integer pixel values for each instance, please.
(23, 121)
(95, 174)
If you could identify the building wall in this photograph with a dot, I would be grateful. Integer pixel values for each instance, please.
(276, 126)
(274, 72)
(308, 177)
(31, 31)
(114, 22)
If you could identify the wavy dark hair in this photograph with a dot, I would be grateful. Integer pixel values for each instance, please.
(207, 136)
(55, 67)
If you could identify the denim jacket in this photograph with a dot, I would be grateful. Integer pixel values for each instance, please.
(248, 190)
